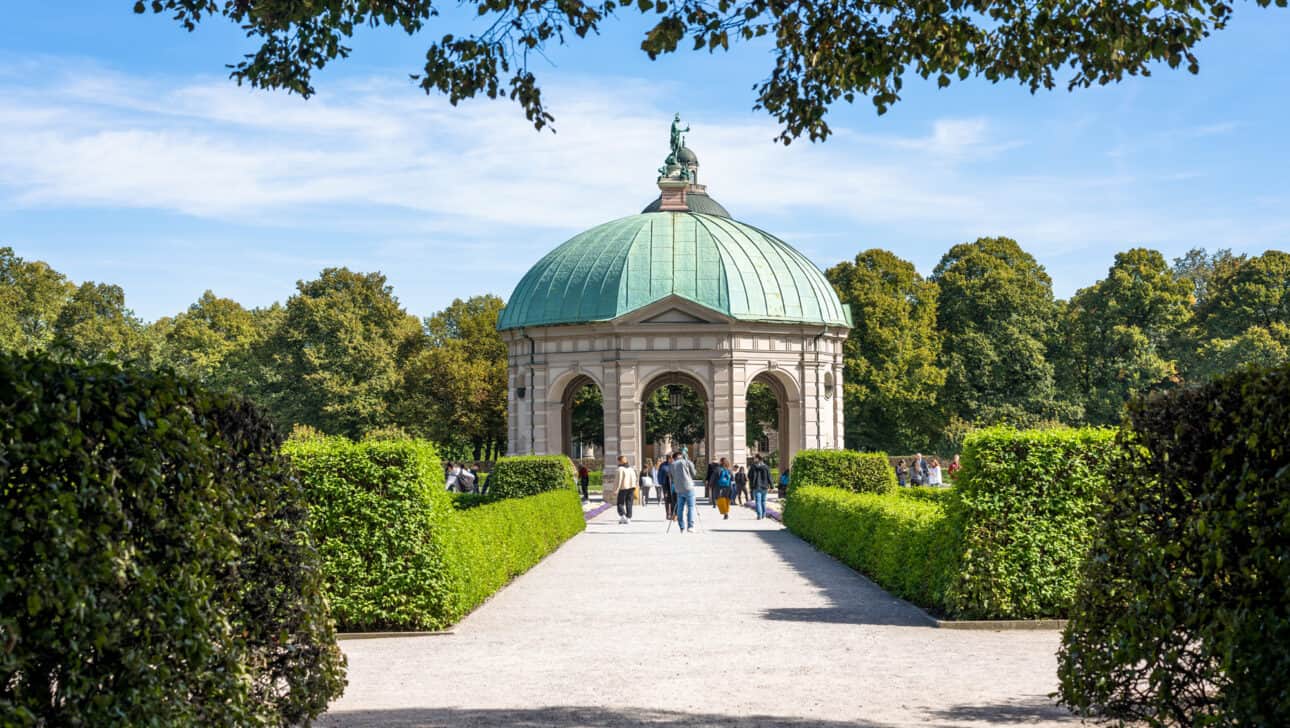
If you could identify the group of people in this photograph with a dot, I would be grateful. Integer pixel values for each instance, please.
(462, 479)
(924, 471)
(672, 481)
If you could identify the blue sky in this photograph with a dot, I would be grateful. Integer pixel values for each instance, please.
(128, 157)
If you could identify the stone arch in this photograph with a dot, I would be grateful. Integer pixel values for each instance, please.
(683, 377)
(568, 385)
(788, 398)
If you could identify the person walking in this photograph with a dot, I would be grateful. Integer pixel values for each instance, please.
(919, 473)
(465, 479)
(725, 485)
(683, 483)
(934, 473)
(626, 489)
(451, 478)
(902, 473)
(664, 481)
(710, 483)
(759, 480)
(741, 485)
(584, 478)
(954, 468)
(647, 481)
(784, 480)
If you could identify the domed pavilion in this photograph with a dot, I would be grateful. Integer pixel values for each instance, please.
(680, 294)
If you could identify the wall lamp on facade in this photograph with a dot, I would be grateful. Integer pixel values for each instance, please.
(519, 392)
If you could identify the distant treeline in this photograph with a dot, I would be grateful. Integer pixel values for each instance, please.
(981, 341)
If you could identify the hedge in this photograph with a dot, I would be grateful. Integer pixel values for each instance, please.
(401, 553)
(492, 543)
(862, 472)
(155, 568)
(1184, 614)
(522, 475)
(1029, 503)
(906, 545)
(375, 506)
(1017, 526)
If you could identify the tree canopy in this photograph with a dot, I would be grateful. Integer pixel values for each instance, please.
(823, 53)
(1122, 334)
(996, 312)
(893, 377)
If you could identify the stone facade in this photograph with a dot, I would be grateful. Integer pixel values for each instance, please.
(674, 340)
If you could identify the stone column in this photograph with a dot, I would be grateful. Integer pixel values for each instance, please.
(622, 429)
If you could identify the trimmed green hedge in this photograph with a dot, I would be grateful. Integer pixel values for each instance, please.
(401, 553)
(155, 567)
(1029, 502)
(492, 543)
(1007, 542)
(906, 545)
(374, 508)
(523, 475)
(861, 472)
(1184, 615)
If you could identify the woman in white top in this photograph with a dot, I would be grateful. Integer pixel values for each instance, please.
(626, 489)
(934, 472)
(646, 482)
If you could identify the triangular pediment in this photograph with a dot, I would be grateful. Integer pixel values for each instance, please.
(674, 310)
(675, 316)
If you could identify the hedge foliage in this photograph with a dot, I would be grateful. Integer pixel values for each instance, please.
(374, 508)
(523, 475)
(400, 552)
(492, 543)
(906, 545)
(1184, 615)
(155, 567)
(861, 472)
(1029, 503)
(1007, 542)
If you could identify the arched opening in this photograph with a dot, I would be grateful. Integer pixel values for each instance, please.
(582, 413)
(675, 414)
(768, 426)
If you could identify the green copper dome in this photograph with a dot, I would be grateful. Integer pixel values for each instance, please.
(621, 266)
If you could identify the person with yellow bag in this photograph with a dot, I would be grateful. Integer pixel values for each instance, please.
(725, 487)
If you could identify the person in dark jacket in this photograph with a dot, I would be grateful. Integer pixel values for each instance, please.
(664, 480)
(902, 473)
(710, 482)
(584, 478)
(741, 485)
(759, 480)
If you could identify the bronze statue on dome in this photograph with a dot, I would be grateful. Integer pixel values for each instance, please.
(678, 141)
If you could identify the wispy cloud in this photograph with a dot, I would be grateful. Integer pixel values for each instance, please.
(418, 180)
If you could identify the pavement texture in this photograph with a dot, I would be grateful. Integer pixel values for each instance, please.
(738, 624)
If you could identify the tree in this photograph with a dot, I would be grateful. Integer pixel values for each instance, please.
(94, 324)
(1246, 316)
(824, 52)
(334, 360)
(211, 340)
(762, 413)
(31, 297)
(456, 385)
(893, 378)
(587, 416)
(1122, 334)
(683, 425)
(1199, 268)
(995, 309)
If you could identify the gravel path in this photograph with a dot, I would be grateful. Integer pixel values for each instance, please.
(740, 624)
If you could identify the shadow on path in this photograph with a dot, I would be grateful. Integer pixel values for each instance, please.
(579, 716)
(853, 598)
(1028, 709)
